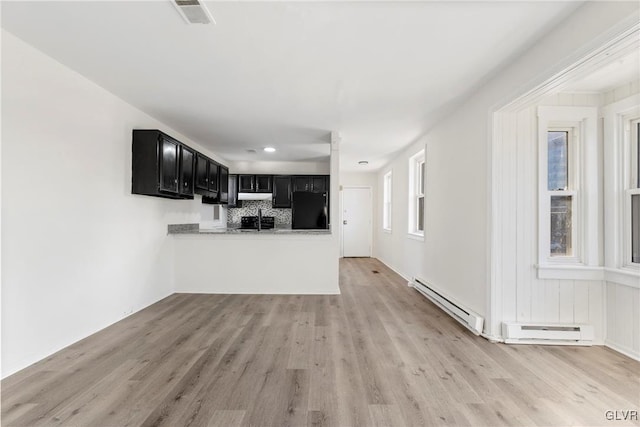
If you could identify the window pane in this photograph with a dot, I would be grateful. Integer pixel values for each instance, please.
(635, 228)
(558, 160)
(420, 213)
(387, 216)
(421, 178)
(560, 225)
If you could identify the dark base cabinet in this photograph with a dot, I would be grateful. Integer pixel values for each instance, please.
(160, 166)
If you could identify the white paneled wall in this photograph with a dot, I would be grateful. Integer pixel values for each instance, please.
(623, 319)
(612, 308)
(524, 297)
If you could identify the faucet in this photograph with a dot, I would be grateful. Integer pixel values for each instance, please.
(259, 219)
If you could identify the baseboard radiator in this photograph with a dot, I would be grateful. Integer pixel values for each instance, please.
(547, 333)
(472, 321)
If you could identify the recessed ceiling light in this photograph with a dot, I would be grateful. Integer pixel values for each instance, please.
(269, 149)
(363, 162)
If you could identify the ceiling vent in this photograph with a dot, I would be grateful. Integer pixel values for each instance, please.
(194, 12)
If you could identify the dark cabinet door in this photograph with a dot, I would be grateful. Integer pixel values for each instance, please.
(186, 171)
(301, 183)
(202, 172)
(281, 191)
(213, 176)
(169, 165)
(318, 184)
(246, 183)
(233, 192)
(223, 194)
(263, 183)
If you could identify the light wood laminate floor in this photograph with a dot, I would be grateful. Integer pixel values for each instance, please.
(379, 354)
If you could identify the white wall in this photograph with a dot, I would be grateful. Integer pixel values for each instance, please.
(623, 318)
(454, 255)
(79, 252)
(523, 296)
(622, 292)
(585, 297)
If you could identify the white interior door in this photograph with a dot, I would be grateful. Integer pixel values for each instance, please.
(356, 222)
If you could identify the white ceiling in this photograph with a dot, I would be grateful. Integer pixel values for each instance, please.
(287, 74)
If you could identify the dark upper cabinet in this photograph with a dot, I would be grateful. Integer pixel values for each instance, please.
(246, 183)
(263, 184)
(318, 184)
(202, 173)
(187, 159)
(164, 167)
(156, 167)
(313, 183)
(281, 191)
(300, 183)
(233, 192)
(206, 177)
(223, 193)
(254, 183)
(213, 176)
(168, 165)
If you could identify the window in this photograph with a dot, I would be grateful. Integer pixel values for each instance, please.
(561, 191)
(386, 213)
(567, 190)
(633, 194)
(621, 194)
(416, 194)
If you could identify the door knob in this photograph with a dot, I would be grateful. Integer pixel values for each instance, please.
(344, 222)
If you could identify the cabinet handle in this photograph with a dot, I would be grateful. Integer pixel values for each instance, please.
(175, 181)
(186, 184)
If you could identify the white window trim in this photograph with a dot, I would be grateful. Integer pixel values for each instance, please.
(414, 171)
(584, 191)
(617, 190)
(630, 174)
(387, 199)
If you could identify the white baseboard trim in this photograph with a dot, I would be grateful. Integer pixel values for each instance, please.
(38, 357)
(492, 338)
(623, 349)
(393, 269)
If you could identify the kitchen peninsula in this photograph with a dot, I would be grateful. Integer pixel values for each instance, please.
(292, 249)
(231, 261)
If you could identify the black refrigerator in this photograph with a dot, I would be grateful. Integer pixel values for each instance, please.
(309, 210)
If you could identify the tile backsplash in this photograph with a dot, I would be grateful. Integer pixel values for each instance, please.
(250, 208)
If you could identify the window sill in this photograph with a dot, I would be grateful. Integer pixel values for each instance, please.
(623, 276)
(415, 236)
(569, 272)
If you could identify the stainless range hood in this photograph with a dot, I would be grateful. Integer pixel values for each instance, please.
(255, 196)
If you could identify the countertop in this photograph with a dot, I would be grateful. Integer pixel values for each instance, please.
(195, 229)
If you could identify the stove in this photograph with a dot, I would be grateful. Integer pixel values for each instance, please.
(251, 222)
